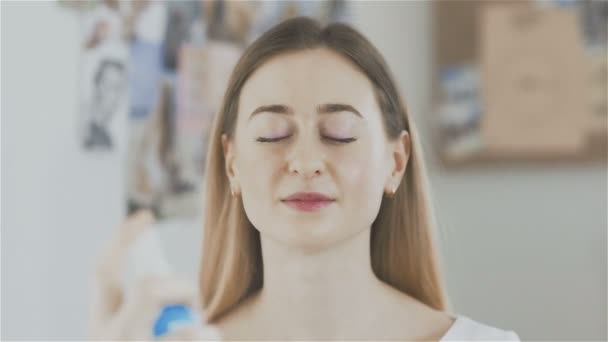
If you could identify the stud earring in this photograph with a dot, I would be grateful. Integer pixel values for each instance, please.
(233, 191)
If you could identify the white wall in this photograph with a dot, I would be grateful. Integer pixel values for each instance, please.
(525, 247)
(57, 202)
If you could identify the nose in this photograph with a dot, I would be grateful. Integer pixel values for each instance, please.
(307, 158)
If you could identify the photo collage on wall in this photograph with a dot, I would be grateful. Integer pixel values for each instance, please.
(153, 76)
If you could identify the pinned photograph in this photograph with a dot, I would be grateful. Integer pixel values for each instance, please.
(104, 78)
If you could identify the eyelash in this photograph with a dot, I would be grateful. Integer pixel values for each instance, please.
(341, 141)
(336, 140)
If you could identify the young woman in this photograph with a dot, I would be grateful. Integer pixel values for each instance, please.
(317, 222)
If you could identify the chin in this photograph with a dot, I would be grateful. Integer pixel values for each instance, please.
(309, 237)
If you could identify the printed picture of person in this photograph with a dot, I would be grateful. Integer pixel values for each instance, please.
(108, 94)
(104, 77)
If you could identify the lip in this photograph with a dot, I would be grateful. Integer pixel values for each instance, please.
(308, 201)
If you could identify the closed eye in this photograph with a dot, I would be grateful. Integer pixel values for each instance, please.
(267, 140)
(336, 140)
(340, 140)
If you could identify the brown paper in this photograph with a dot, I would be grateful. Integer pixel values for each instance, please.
(533, 81)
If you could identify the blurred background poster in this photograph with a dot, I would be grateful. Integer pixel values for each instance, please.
(103, 78)
(521, 81)
(534, 98)
(171, 60)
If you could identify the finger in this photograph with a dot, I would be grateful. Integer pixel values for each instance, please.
(107, 284)
(194, 332)
(189, 333)
(137, 315)
(166, 290)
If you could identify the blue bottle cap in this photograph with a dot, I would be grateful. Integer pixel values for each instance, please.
(171, 318)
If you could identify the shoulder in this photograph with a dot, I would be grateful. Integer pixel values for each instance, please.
(242, 322)
(467, 329)
(406, 318)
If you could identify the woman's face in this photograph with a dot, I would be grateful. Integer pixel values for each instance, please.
(310, 156)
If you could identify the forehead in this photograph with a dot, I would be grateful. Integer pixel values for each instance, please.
(308, 77)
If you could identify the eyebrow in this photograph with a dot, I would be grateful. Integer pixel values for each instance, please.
(279, 109)
(327, 108)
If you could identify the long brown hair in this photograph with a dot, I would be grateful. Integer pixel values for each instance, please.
(403, 251)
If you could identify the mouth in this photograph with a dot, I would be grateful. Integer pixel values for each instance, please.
(308, 201)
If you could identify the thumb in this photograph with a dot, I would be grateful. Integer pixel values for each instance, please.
(107, 292)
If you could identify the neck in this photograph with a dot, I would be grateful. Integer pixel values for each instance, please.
(319, 294)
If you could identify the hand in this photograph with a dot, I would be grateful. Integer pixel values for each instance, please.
(116, 315)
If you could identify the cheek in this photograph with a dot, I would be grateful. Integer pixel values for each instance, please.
(358, 169)
(258, 169)
(258, 177)
(361, 181)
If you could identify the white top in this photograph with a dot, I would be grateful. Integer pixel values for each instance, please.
(463, 329)
(466, 329)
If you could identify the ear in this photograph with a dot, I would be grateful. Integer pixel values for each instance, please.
(228, 148)
(400, 155)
